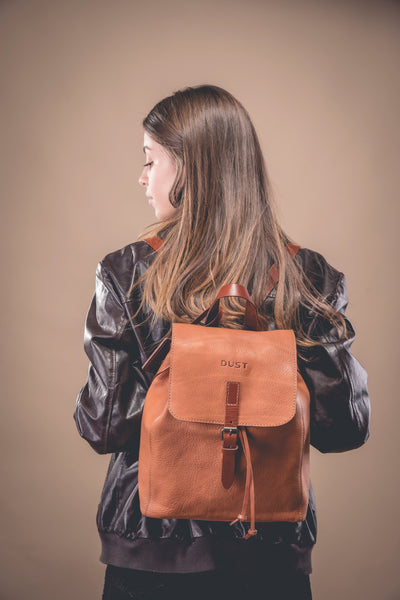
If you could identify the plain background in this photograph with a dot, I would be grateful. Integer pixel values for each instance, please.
(321, 83)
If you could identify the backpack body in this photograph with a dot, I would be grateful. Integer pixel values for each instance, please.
(208, 375)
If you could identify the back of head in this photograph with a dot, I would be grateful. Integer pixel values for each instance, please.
(221, 184)
(224, 229)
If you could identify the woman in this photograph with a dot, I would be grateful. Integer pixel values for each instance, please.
(206, 180)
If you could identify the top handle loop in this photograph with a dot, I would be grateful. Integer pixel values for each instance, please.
(238, 291)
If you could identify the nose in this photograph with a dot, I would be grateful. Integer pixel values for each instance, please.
(142, 179)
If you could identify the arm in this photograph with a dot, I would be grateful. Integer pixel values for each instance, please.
(109, 407)
(340, 407)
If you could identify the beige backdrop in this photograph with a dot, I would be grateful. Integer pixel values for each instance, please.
(321, 83)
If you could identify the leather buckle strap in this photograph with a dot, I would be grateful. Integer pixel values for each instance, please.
(229, 433)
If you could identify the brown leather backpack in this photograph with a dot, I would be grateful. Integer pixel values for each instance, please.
(225, 425)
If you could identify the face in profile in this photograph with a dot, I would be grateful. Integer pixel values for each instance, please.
(157, 177)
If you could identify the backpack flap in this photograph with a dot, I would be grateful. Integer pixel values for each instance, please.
(204, 359)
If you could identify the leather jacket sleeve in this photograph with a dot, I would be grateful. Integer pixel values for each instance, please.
(340, 406)
(108, 408)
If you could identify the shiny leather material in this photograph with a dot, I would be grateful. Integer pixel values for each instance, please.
(109, 408)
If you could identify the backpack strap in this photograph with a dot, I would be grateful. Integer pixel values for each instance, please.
(273, 274)
(155, 242)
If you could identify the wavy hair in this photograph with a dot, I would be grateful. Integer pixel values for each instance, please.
(224, 229)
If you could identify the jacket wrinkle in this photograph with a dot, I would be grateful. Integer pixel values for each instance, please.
(108, 412)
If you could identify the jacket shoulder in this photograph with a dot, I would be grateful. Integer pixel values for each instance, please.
(126, 264)
(323, 276)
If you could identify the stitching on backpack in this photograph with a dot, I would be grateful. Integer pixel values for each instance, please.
(227, 393)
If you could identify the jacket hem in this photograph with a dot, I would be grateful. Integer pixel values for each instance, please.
(170, 555)
(160, 555)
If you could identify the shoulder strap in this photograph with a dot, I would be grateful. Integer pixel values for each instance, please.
(155, 242)
(273, 274)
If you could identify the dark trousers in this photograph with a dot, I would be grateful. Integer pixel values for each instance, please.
(125, 584)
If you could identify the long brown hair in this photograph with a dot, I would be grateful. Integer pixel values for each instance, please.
(225, 229)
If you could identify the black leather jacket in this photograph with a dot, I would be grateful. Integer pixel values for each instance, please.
(108, 415)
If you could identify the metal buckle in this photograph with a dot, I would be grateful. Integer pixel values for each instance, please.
(231, 430)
